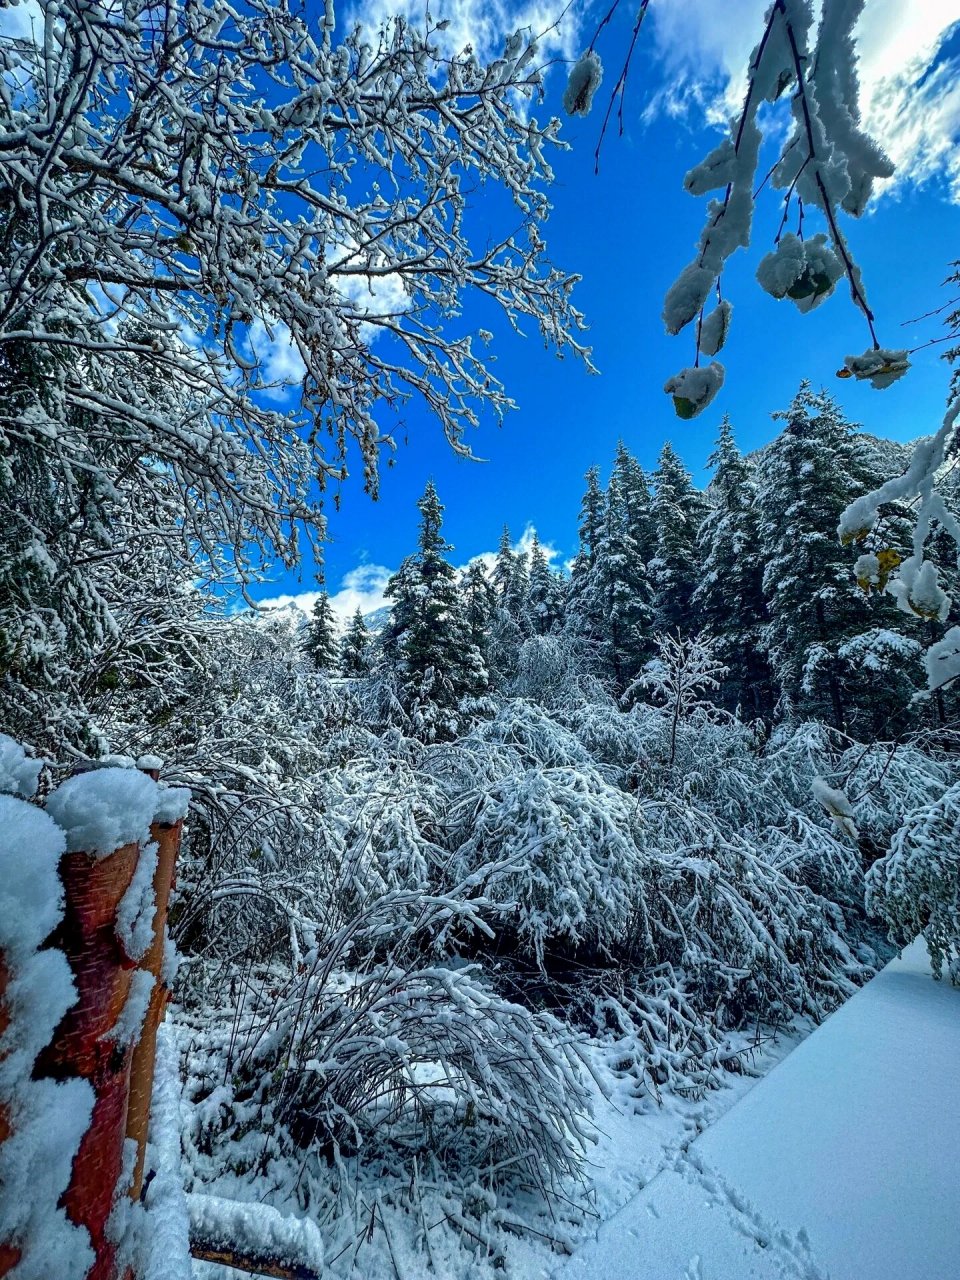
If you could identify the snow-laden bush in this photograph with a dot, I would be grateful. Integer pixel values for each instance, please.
(535, 736)
(618, 743)
(887, 782)
(751, 940)
(571, 870)
(554, 671)
(915, 888)
(382, 822)
(401, 1055)
(723, 943)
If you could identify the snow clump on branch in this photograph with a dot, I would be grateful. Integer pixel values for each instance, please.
(582, 83)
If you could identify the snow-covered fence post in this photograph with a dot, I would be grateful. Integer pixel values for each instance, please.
(166, 832)
(86, 1044)
(108, 872)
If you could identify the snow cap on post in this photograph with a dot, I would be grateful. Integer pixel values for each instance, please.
(172, 804)
(105, 809)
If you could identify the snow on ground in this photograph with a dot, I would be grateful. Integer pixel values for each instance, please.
(841, 1163)
(636, 1139)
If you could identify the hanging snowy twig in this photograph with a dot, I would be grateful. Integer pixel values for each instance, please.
(826, 163)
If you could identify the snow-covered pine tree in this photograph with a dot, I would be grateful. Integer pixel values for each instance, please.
(355, 654)
(592, 509)
(634, 487)
(610, 599)
(584, 612)
(728, 600)
(623, 601)
(678, 510)
(479, 602)
(510, 624)
(805, 480)
(427, 641)
(545, 592)
(320, 642)
(510, 580)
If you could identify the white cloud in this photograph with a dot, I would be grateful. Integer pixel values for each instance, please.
(524, 544)
(910, 92)
(280, 361)
(362, 588)
(911, 95)
(367, 295)
(484, 24)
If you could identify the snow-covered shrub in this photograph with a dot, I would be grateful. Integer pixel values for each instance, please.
(915, 888)
(535, 736)
(887, 781)
(398, 1053)
(570, 867)
(352, 1054)
(725, 940)
(751, 940)
(553, 670)
(714, 758)
(617, 743)
(383, 819)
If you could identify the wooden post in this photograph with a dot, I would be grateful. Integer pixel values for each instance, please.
(82, 1045)
(145, 1051)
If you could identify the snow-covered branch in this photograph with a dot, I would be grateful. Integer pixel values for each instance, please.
(226, 172)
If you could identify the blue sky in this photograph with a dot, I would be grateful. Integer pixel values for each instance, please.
(628, 232)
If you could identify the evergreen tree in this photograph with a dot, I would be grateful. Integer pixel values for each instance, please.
(480, 605)
(584, 614)
(427, 641)
(320, 643)
(544, 593)
(634, 487)
(355, 649)
(805, 479)
(592, 509)
(510, 579)
(610, 603)
(728, 601)
(510, 623)
(621, 602)
(678, 510)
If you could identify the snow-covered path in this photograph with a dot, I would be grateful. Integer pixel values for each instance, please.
(843, 1162)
